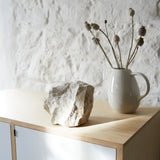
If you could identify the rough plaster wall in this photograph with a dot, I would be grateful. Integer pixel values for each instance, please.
(44, 41)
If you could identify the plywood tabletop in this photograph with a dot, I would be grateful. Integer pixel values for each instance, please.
(105, 127)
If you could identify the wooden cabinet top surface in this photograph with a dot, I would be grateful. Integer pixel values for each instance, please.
(105, 127)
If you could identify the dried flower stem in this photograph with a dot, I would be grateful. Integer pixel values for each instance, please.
(106, 29)
(120, 55)
(102, 50)
(132, 58)
(105, 54)
(111, 47)
(131, 43)
(133, 54)
(158, 2)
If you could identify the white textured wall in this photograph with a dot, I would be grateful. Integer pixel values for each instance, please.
(45, 41)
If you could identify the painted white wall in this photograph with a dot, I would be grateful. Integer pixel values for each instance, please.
(45, 41)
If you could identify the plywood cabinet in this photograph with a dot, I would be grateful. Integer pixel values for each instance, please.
(5, 141)
(107, 135)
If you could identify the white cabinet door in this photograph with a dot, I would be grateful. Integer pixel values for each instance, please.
(35, 145)
(5, 141)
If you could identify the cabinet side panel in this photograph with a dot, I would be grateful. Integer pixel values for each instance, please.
(36, 145)
(145, 145)
(5, 141)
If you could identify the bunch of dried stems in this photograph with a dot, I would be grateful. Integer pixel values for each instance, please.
(118, 57)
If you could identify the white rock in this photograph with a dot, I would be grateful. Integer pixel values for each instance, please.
(70, 104)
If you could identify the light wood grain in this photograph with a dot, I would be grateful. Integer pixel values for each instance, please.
(105, 127)
(13, 142)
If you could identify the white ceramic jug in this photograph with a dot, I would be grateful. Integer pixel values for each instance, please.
(123, 91)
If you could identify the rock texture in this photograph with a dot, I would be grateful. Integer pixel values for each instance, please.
(45, 41)
(70, 104)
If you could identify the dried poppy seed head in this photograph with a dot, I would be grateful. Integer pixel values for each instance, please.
(95, 26)
(142, 31)
(105, 21)
(88, 26)
(116, 39)
(131, 12)
(95, 40)
(140, 41)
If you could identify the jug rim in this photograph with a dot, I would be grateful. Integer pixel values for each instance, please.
(122, 70)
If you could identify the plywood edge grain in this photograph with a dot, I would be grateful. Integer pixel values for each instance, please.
(6, 120)
(13, 141)
(119, 152)
(61, 132)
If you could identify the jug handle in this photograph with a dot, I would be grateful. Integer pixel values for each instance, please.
(147, 83)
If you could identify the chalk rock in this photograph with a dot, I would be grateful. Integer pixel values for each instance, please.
(70, 104)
